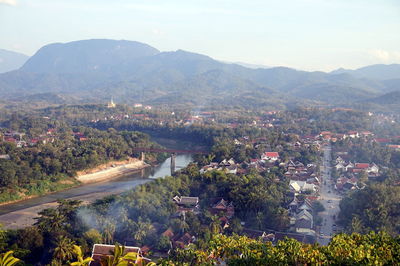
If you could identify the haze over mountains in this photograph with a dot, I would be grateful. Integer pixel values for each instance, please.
(11, 60)
(94, 70)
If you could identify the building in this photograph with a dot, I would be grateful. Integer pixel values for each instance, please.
(270, 156)
(111, 104)
(101, 252)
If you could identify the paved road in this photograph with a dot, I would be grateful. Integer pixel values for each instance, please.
(329, 198)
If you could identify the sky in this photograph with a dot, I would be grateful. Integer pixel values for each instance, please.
(303, 34)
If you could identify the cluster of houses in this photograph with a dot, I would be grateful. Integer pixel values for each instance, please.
(349, 173)
(266, 160)
(228, 166)
(219, 206)
(329, 136)
(303, 178)
(21, 140)
(391, 143)
(301, 216)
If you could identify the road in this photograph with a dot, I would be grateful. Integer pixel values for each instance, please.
(329, 198)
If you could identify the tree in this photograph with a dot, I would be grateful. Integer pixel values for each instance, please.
(317, 206)
(215, 226)
(142, 229)
(58, 220)
(93, 236)
(356, 225)
(164, 244)
(31, 239)
(64, 249)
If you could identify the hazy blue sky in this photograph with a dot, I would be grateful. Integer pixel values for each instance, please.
(305, 34)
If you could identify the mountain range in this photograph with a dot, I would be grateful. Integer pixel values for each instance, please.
(95, 70)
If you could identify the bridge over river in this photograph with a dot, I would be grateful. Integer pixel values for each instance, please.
(173, 153)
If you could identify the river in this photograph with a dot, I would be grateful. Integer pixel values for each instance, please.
(20, 214)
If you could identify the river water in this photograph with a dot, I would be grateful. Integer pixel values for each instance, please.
(113, 186)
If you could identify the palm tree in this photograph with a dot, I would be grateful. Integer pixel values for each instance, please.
(50, 220)
(64, 248)
(7, 259)
(108, 231)
(259, 219)
(215, 225)
(142, 229)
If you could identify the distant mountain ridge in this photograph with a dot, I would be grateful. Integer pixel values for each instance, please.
(93, 70)
(11, 60)
(379, 71)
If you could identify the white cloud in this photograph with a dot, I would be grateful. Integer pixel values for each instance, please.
(384, 56)
(9, 2)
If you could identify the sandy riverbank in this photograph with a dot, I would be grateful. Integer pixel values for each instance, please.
(110, 171)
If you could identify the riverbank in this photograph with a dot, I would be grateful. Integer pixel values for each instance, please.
(101, 173)
(43, 188)
(110, 170)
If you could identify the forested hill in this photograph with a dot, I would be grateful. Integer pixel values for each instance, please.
(388, 98)
(94, 70)
(86, 56)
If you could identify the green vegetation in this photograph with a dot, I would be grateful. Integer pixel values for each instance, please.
(373, 208)
(376, 206)
(355, 249)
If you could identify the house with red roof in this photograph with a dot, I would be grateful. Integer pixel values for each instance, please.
(393, 146)
(363, 166)
(270, 156)
(382, 140)
(224, 207)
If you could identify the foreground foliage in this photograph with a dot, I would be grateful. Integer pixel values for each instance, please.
(355, 249)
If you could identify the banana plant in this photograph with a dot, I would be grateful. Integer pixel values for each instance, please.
(79, 254)
(7, 259)
(118, 259)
